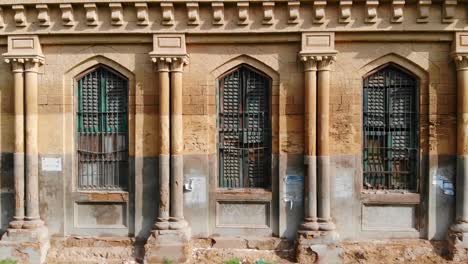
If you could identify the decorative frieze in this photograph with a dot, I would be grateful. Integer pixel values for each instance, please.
(218, 13)
(345, 11)
(424, 7)
(142, 14)
(319, 12)
(243, 13)
(23, 49)
(371, 11)
(20, 16)
(43, 15)
(268, 13)
(448, 10)
(397, 11)
(91, 14)
(293, 12)
(67, 15)
(193, 14)
(167, 10)
(116, 14)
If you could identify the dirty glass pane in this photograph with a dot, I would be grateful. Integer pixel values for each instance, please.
(244, 130)
(390, 130)
(102, 130)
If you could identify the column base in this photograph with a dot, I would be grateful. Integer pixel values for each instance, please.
(16, 224)
(25, 245)
(458, 242)
(161, 225)
(318, 247)
(168, 245)
(326, 225)
(178, 224)
(309, 226)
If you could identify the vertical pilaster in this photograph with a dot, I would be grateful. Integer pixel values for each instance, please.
(177, 145)
(18, 77)
(31, 148)
(164, 139)
(310, 159)
(323, 152)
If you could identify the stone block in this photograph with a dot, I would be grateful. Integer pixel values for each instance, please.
(168, 245)
(458, 246)
(25, 246)
(229, 242)
(319, 247)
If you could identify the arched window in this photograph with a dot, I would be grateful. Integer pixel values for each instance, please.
(102, 123)
(244, 129)
(390, 153)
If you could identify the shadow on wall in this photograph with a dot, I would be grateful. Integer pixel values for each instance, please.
(7, 197)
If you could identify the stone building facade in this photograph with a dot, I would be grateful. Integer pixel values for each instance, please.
(164, 121)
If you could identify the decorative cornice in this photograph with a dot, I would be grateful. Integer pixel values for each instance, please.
(203, 16)
(174, 63)
(23, 59)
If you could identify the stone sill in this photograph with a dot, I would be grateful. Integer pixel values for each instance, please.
(379, 197)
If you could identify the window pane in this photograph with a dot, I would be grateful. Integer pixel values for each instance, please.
(244, 130)
(390, 130)
(102, 131)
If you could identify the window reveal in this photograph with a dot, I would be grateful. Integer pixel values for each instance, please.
(390, 128)
(244, 130)
(102, 122)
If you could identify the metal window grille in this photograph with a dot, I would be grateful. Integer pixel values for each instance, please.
(102, 130)
(390, 154)
(244, 130)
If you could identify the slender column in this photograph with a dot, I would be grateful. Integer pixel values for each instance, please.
(18, 75)
(461, 221)
(323, 95)
(32, 181)
(310, 119)
(177, 146)
(164, 128)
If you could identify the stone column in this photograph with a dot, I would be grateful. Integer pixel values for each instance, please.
(18, 75)
(32, 169)
(310, 120)
(461, 221)
(164, 139)
(323, 153)
(177, 145)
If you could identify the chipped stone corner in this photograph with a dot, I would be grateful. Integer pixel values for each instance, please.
(168, 245)
(321, 247)
(25, 245)
(457, 245)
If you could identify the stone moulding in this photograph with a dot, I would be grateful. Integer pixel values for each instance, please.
(186, 16)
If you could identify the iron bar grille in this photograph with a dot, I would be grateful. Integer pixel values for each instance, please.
(244, 130)
(102, 130)
(390, 130)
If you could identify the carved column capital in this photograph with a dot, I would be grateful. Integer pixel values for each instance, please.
(310, 63)
(172, 63)
(461, 61)
(325, 62)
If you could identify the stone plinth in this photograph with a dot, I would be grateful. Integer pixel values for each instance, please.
(318, 247)
(25, 245)
(170, 245)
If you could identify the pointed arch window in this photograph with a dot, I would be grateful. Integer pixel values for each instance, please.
(244, 129)
(390, 149)
(102, 123)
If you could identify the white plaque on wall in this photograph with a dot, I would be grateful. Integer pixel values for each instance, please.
(51, 164)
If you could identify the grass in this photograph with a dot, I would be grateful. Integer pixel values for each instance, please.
(166, 261)
(233, 261)
(7, 261)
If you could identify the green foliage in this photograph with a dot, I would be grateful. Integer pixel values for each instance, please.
(233, 261)
(166, 261)
(7, 261)
(262, 261)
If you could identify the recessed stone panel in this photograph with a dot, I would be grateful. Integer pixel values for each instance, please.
(100, 215)
(243, 214)
(390, 217)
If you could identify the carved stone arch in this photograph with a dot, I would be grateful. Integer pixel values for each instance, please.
(412, 67)
(247, 60)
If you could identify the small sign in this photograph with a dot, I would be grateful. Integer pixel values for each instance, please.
(294, 188)
(51, 164)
